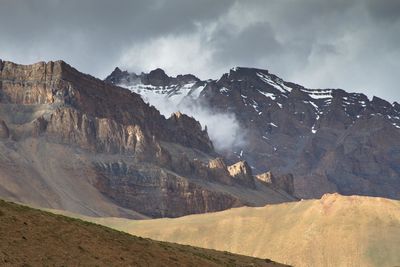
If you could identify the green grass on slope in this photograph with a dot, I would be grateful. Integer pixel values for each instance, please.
(31, 237)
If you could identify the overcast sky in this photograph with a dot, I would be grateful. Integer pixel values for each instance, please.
(349, 44)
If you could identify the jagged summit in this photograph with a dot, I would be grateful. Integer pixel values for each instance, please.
(158, 72)
(155, 78)
(157, 84)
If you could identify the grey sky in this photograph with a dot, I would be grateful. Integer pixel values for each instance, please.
(353, 44)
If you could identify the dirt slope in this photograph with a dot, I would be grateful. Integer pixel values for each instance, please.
(333, 231)
(31, 237)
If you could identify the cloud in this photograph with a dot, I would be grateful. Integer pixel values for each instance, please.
(320, 44)
(174, 53)
(223, 128)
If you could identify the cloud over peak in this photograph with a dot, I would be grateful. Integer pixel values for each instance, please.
(337, 43)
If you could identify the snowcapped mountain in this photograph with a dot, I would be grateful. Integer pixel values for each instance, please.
(329, 139)
(157, 84)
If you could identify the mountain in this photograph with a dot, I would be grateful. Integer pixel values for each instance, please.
(330, 140)
(73, 142)
(71, 242)
(332, 231)
(157, 83)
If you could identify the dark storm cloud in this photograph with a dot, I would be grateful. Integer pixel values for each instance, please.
(331, 43)
(91, 34)
(388, 10)
(247, 46)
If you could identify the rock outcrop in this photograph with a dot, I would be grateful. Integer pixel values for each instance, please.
(242, 173)
(171, 195)
(218, 169)
(189, 132)
(282, 182)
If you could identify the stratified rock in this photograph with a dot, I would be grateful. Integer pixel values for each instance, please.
(158, 193)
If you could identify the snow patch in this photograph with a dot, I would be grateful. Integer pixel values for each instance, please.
(195, 93)
(318, 93)
(224, 90)
(278, 84)
(270, 95)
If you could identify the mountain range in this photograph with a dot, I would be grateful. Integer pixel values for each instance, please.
(329, 140)
(236, 158)
(73, 142)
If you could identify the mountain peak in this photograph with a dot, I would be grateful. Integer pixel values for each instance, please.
(116, 76)
(241, 68)
(156, 77)
(158, 71)
(117, 70)
(380, 102)
(247, 70)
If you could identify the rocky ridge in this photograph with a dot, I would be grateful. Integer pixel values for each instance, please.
(70, 141)
(329, 139)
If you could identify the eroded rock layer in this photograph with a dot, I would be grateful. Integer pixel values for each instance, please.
(71, 141)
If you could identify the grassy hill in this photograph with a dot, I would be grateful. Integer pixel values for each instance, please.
(32, 237)
(333, 231)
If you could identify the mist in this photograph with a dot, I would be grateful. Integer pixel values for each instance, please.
(223, 128)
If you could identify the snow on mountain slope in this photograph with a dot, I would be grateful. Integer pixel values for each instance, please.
(330, 139)
(182, 93)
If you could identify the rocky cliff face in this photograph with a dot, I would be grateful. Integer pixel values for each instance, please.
(329, 139)
(71, 141)
(59, 85)
(242, 173)
(283, 182)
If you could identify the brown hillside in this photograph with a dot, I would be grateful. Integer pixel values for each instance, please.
(333, 231)
(31, 237)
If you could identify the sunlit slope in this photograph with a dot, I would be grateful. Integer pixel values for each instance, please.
(333, 231)
(31, 237)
